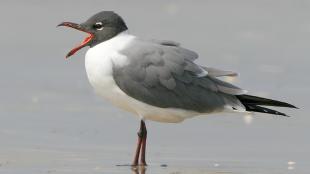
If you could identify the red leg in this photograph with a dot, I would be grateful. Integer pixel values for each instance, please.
(143, 147)
(137, 154)
(139, 144)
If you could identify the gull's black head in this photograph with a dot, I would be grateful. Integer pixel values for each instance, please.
(100, 27)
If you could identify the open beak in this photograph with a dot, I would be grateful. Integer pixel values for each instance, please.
(80, 28)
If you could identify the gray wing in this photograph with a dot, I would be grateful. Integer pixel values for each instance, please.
(164, 74)
(219, 73)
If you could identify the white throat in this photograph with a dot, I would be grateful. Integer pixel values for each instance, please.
(99, 61)
(102, 56)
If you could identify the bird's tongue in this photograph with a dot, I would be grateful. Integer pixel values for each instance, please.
(83, 44)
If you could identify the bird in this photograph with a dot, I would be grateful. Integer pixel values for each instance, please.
(157, 80)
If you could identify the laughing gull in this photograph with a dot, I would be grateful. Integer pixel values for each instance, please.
(157, 80)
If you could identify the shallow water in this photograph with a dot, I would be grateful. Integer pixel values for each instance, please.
(52, 122)
(106, 159)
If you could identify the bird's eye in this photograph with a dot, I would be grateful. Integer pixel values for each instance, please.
(98, 26)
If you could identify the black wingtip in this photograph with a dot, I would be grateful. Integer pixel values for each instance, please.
(254, 100)
(255, 108)
(279, 113)
(295, 107)
(290, 106)
(284, 115)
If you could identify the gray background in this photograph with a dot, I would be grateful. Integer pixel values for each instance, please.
(51, 121)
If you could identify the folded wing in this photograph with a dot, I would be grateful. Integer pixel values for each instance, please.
(164, 74)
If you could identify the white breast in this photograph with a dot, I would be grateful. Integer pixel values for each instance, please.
(99, 62)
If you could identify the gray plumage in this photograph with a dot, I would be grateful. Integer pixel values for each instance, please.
(213, 72)
(163, 74)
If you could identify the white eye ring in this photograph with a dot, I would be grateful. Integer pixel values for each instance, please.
(99, 25)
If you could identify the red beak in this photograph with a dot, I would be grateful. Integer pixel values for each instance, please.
(80, 28)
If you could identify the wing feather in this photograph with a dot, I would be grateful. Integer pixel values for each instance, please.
(219, 73)
(165, 75)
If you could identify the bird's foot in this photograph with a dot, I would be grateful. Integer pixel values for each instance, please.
(132, 165)
(143, 164)
(139, 165)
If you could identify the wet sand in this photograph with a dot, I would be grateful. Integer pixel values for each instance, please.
(116, 160)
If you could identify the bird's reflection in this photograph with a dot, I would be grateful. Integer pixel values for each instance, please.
(139, 170)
